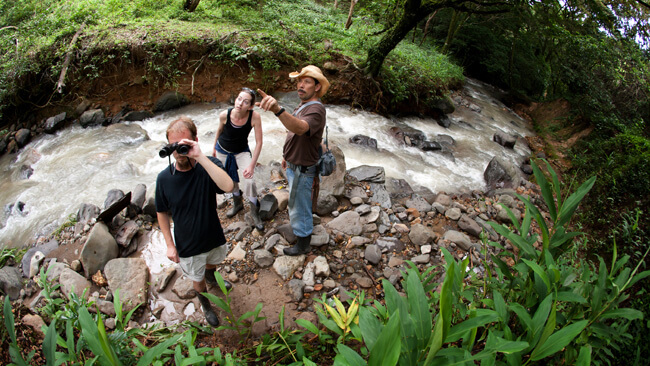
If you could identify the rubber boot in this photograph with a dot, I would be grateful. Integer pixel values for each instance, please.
(255, 215)
(210, 315)
(302, 247)
(237, 205)
(211, 280)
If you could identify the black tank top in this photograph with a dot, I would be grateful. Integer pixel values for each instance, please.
(234, 139)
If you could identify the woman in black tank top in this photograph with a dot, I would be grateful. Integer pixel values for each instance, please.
(231, 147)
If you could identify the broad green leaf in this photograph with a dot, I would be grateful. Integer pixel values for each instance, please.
(500, 306)
(523, 316)
(637, 278)
(627, 313)
(444, 316)
(571, 203)
(558, 340)
(90, 331)
(308, 325)
(515, 239)
(548, 329)
(541, 315)
(419, 309)
(545, 187)
(584, 358)
(556, 183)
(309, 362)
(49, 344)
(457, 331)
(9, 320)
(370, 326)
(155, 352)
(540, 272)
(569, 296)
(389, 344)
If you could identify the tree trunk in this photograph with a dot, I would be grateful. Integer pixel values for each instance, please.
(412, 14)
(336, 4)
(426, 26)
(190, 5)
(349, 22)
(457, 20)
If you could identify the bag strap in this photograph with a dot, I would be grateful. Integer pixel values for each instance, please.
(327, 145)
(305, 105)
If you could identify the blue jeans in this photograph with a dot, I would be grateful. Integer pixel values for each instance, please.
(300, 213)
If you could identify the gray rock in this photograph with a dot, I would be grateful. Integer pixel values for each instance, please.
(319, 236)
(438, 207)
(373, 254)
(274, 240)
(321, 267)
(380, 195)
(364, 282)
(73, 282)
(126, 233)
(10, 282)
(93, 117)
(46, 249)
(365, 141)
(308, 275)
(483, 224)
(507, 200)
(137, 116)
(500, 174)
(54, 123)
(35, 263)
(470, 226)
(184, 288)
(358, 241)
(238, 253)
(170, 100)
(326, 204)
(296, 289)
(460, 239)
(453, 213)
(131, 277)
(113, 196)
(139, 196)
(421, 235)
(356, 201)
(282, 196)
(443, 199)
(22, 137)
(390, 244)
(162, 280)
(329, 284)
(243, 231)
(87, 212)
(421, 259)
(268, 207)
(504, 139)
(363, 209)
(287, 232)
(444, 121)
(263, 258)
(286, 265)
(419, 204)
(356, 191)
(149, 207)
(367, 173)
(100, 248)
(347, 223)
(398, 188)
(334, 184)
(502, 215)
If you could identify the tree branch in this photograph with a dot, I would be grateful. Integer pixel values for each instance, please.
(61, 83)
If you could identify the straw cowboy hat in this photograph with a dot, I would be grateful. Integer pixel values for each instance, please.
(313, 72)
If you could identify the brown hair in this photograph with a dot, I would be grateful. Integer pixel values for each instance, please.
(182, 123)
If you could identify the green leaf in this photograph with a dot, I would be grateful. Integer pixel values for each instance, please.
(558, 340)
(541, 315)
(569, 296)
(627, 313)
(584, 358)
(548, 329)
(500, 306)
(457, 331)
(540, 272)
(350, 355)
(389, 344)
(155, 352)
(444, 316)
(571, 204)
(523, 316)
(9, 320)
(49, 344)
(419, 309)
(516, 240)
(370, 326)
(308, 325)
(545, 187)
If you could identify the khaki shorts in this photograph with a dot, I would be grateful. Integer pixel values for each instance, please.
(194, 267)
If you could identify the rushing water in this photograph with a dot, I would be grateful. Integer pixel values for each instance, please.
(78, 165)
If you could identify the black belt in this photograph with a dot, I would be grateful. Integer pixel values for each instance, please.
(302, 168)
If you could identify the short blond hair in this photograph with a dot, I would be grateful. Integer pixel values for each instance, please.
(182, 123)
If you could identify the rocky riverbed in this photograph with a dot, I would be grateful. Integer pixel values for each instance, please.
(366, 227)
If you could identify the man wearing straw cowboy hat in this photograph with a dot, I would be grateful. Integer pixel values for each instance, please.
(305, 131)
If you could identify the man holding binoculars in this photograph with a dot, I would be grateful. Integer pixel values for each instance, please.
(186, 193)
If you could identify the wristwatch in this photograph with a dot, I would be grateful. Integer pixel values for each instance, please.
(280, 112)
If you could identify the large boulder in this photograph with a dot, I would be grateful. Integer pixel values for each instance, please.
(93, 117)
(73, 282)
(10, 282)
(364, 140)
(499, 174)
(131, 277)
(367, 173)
(398, 188)
(45, 248)
(22, 137)
(504, 139)
(170, 100)
(53, 124)
(348, 223)
(98, 250)
(334, 184)
(87, 212)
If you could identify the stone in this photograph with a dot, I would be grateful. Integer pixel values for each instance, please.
(329, 284)
(139, 196)
(421, 235)
(357, 241)
(45, 248)
(35, 263)
(421, 259)
(504, 139)
(286, 265)
(363, 209)
(398, 188)
(163, 279)
(22, 137)
(274, 240)
(356, 201)
(364, 141)
(282, 196)
(87, 212)
(347, 223)
(460, 239)
(326, 204)
(356, 191)
(238, 253)
(93, 117)
(113, 196)
(321, 267)
(100, 248)
(507, 200)
(364, 282)
(268, 207)
(308, 275)
(395, 262)
(426, 249)
(72, 281)
(390, 244)
(453, 213)
(130, 276)
(319, 236)
(372, 254)
(500, 174)
(134, 116)
(184, 288)
(296, 289)
(54, 123)
(170, 100)
(263, 258)
(367, 173)
(126, 233)
(380, 195)
(10, 282)
(419, 204)
(443, 199)
(470, 226)
(334, 184)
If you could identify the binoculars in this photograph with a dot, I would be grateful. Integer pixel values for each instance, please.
(170, 148)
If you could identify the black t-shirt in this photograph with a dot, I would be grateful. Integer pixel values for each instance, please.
(191, 198)
(235, 138)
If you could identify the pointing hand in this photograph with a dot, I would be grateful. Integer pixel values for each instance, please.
(268, 103)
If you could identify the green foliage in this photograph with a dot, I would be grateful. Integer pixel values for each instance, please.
(72, 221)
(11, 256)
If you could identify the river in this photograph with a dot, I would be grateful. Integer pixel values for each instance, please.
(78, 165)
